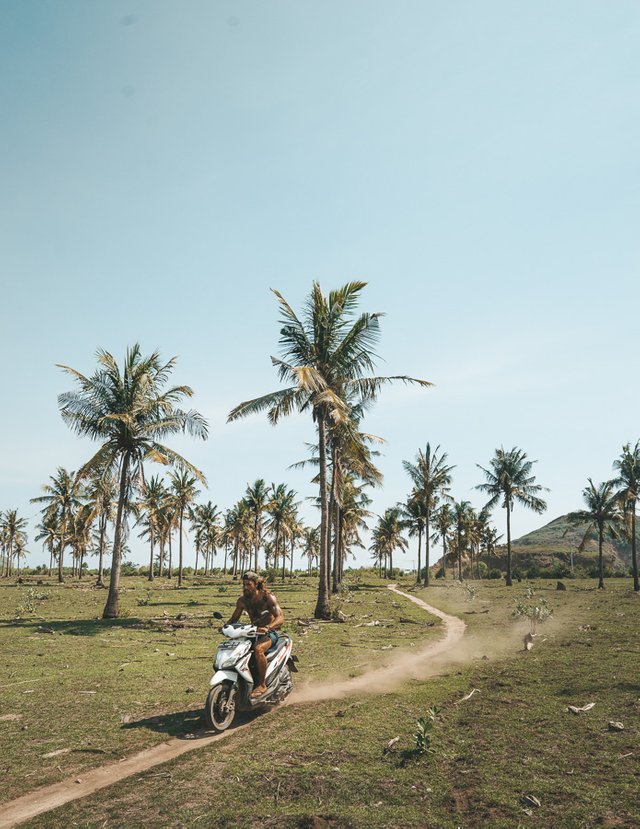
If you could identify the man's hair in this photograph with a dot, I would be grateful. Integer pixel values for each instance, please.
(255, 578)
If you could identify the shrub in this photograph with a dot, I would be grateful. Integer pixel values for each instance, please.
(495, 573)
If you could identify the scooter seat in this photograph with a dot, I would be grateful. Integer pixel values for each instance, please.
(278, 646)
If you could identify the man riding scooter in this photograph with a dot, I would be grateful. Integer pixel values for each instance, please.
(264, 611)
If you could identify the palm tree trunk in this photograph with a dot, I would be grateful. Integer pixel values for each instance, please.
(634, 556)
(390, 573)
(196, 568)
(50, 562)
(169, 569)
(600, 560)
(111, 608)
(151, 554)
(444, 556)
(419, 576)
(180, 551)
(427, 549)
(322, 604)
(161, 556)
(336, 549)
(509, 582)
(62, 543)
(103, 530)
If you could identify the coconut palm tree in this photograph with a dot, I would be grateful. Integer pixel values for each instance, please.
(387, 536)
(257, 497)
(281, 509)
(510, 481)
(430, 476)
(414, 515)
(326, 357)
(628, 468)
(443, 520)
(463, 515)
(62, 495)
(182, 486)
(14, 538)
(603, 512)
(311, 545)
(153, 493)
(49, 533)
(101, 491)
(204, 523)
(129, 412)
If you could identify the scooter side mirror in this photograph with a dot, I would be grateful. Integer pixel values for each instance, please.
(217, 615)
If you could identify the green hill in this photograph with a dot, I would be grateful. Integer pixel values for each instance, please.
(551, 547)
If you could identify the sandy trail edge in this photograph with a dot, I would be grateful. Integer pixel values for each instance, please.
(47, 798)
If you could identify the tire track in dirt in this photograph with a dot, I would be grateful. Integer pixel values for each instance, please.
(378, 680)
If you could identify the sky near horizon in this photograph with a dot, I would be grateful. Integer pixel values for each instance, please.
(165, 164)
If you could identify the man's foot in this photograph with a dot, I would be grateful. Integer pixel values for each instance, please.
(259, 691)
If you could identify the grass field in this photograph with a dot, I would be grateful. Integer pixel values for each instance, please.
(79, 692)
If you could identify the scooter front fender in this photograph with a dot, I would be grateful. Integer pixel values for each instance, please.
(223, 676)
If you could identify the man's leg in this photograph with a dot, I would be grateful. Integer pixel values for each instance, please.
(261, 666)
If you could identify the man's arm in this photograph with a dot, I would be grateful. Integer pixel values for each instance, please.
(237, 613)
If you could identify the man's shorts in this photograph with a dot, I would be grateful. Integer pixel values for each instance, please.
(273, 635)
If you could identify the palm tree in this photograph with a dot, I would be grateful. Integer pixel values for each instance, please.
(62, 495)
(463, 515)
(387, 536)
(510, 481)
(152, 497)
(430, 476)
(311, 546)
(414, 516)
(280, 508)
(183, 489)
(14, 538)
(326, 357)
(443, 520)
(129, 412)
(257, 497)
(49, 533)
(628, 469)
(603, 512)
(102, 493)
(204, 523)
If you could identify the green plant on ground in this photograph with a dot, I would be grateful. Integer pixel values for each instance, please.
(425, 727)
(536, 612)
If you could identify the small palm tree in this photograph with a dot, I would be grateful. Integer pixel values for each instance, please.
(183, 488)
(257, 498)
(628, 468)
(415, 517)
(129, 412)
(443, 520)
(431, 476)
(509, 481)
(387, 536)
(152, 495)
(463, 515)
(14, 538)
(62, 496)
(603, 512)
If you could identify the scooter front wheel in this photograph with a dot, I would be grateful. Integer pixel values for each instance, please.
(220, 707)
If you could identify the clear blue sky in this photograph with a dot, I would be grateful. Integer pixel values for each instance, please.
(163, 164)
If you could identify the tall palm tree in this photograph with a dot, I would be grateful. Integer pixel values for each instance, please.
(430, 476)
(603, 512)
(463, 515)
(628, 468)
(414, 514)
(129, 412)
(183, 488)
(204, 523)
(326, 357)
(49, 533)
(311, 545)
(443, 520)
(152, 496)
(14, 538)
(509, 481)
(62, 495)
(387, 536)
(281, 509)
(257, 497)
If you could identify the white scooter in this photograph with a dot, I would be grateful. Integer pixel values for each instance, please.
(234, 675)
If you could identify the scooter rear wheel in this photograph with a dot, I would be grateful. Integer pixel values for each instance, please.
(220, 707)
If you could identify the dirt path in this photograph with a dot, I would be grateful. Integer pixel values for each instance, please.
(420, 663)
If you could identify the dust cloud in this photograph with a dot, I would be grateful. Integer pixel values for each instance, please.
(432, 659)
